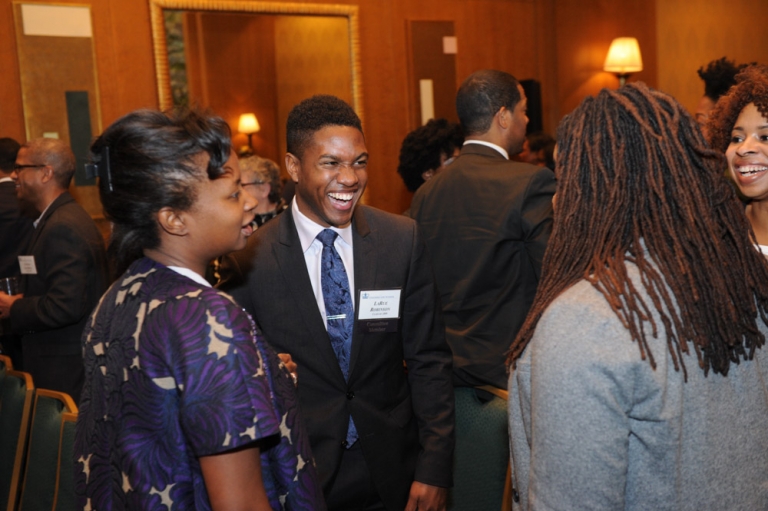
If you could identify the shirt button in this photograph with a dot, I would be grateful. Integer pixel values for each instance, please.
(344, 444)
(350, 395)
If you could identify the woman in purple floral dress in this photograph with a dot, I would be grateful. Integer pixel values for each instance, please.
(185, 406)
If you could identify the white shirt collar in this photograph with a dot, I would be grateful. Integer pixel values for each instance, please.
(500, 149)
(308, 229)
(190, 274)
(42, 214)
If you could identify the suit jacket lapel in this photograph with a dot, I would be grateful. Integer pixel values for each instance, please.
(290, 260)
(366, 260)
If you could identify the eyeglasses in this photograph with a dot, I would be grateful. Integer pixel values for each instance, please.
(20, 168)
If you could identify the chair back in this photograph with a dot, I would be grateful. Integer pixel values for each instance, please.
(481, 456)
(45, 458)
(65, 496)
(16, 391)
(5, 364)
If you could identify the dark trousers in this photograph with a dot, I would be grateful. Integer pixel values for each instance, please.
(352, 488)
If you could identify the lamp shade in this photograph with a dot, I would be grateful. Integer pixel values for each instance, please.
(248, 124)
(623, 56)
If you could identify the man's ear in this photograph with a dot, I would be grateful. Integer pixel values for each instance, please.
(502, 117)
(292, 165)
(46, 174)
(171, 222)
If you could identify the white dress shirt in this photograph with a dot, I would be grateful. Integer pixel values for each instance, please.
(500, 149)
(313, 251)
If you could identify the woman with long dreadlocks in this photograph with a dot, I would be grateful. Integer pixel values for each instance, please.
(739, 127)
(639, 379)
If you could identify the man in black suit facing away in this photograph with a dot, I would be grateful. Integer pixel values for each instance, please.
(16, 228)
(486, 221)
(16, 216)
(382, 437)
(64, 269)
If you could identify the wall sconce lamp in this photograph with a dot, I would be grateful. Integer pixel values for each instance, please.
(623, 58)
(249, 125)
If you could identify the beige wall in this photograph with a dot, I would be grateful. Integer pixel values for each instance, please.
(692, 33)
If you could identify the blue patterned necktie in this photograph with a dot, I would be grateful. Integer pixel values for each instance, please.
(339, 311)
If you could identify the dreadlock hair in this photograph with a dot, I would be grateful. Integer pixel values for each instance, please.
(638, 184)
(751, 87)
(422, 148)
(719, 76)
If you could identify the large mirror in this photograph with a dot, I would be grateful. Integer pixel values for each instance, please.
(238, 57)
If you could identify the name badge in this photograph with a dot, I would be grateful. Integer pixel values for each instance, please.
(27, 265)
(379, 310)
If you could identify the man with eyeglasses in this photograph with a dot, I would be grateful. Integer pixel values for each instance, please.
(261, 178)
(64, 269)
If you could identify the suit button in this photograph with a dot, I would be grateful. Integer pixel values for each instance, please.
(344, 444)
(350, 395)
(515, 496)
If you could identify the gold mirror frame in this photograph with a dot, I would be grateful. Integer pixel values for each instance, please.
(161, 47)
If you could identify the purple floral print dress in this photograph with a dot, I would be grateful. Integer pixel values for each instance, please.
(174, 371)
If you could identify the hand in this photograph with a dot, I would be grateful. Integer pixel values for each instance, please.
(290, 365)
(6, 301)
(425, 497)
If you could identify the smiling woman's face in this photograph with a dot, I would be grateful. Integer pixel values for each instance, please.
(747, 153)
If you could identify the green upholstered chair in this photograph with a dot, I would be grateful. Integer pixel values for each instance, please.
(16, 392)
(481, 459)
(44, 455)
(65, 495)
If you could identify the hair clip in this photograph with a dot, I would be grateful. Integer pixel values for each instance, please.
(100, 168)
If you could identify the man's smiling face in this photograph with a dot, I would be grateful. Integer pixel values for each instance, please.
(330, 175)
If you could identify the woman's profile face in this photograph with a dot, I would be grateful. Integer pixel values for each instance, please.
(747, 153)
(219, 220)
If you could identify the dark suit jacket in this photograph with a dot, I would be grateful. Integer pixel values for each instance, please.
(486, 221)
(405, 421)
(71, 277)
(16, 228)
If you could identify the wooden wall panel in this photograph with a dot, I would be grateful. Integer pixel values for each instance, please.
(561, 43)
(584, 34)
(693, 33)
(230, 86)
(11, 108)
(311, 57)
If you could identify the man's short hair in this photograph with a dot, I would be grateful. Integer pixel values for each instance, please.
(266, 171)
(312, 115)
(57, 154)
(9, 148)
(482, 95)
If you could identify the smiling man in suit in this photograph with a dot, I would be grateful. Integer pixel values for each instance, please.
(348, 291)
(64, 269)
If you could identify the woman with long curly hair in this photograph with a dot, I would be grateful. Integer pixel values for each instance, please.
(739, 127)
(639, 377)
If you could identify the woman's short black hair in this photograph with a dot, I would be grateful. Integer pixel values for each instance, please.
(155, 160)
(422, 148)
(719, 76)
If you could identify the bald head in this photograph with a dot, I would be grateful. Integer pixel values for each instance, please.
(57, 154)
